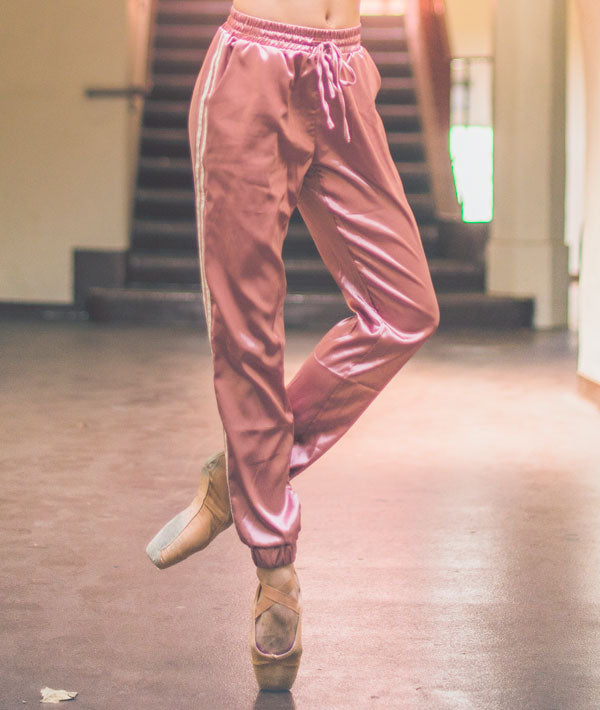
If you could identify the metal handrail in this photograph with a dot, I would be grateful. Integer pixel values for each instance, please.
(101, 92)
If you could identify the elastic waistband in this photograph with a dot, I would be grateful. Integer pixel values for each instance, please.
(280, 34)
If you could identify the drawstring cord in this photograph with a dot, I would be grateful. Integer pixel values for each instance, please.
(330, 64)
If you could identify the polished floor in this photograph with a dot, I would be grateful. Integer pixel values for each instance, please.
(449, 553)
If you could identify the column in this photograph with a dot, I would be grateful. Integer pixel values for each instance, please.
(526, 253)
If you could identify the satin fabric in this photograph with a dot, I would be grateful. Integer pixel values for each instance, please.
(284, 116)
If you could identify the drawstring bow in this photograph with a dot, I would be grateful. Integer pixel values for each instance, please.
(330, 64)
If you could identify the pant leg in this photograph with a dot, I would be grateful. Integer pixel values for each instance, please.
(250, 149)
(355, 207)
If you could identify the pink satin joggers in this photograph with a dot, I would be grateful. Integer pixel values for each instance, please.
(284, 116)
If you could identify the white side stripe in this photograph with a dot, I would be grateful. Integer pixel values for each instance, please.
(200, 204)
(199, 164)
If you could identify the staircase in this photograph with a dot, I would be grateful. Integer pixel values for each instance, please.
(162, 273)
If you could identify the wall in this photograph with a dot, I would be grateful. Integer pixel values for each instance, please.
(589, 293)
(575, 156)
(470, 27)
(139, 21)
(65, 157)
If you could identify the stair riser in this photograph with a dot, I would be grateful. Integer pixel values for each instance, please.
(293, 246)
(316, 282)
(180, 88)
(181, 37)
(178, 146)
(192, 64)
(401, 123)
(311, 315)
(185, 210)
(297, 243)
(193, 16)
(396, 96)
(182, 178)
(416, 182)
(215, 13)
(305, 270)
(408, 152)
(174, 114)
(380, 23)
(195, 36)
(385, 45)
(170, 147)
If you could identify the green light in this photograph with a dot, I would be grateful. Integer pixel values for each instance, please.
(472, 157)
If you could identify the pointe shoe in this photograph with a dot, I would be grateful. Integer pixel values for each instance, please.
(197, 525)
(276, 671)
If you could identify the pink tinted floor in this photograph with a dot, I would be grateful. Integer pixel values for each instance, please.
(449, 553)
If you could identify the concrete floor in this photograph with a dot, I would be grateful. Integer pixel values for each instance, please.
(449, 554)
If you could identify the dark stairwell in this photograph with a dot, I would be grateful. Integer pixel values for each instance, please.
(162, 281)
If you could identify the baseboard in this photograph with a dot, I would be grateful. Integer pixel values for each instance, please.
(18, 310)
(588, 388)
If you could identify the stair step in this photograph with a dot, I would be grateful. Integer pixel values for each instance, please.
(405, 146)
(169, 142)
(173, 86)
(184, 36)
(423, 207)
(174, 113)
(179, 204)
(299, 241)
(384, 39)
(169, 60)
(482, 310)
(177, 236)
(195, 36)
(392, 62)
(172, 234)
(133, 305)
(187, 11)
(174, 172)
(415, 176)
(164, 114)
(400, 117)
(382, 21)
(301, 311)
(212, 6)
(165, 171)
(397, 90)
(181, 236)
(304, 273)
(192, 12)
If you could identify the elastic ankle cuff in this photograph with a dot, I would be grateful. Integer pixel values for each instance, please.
(270, 557)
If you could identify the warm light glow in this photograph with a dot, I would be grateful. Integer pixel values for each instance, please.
(471, 152)
(382, 7)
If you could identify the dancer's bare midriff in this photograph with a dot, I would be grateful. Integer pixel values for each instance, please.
(331, 14)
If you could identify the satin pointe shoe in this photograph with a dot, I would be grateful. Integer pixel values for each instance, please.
(197, 525)
(276, 671)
